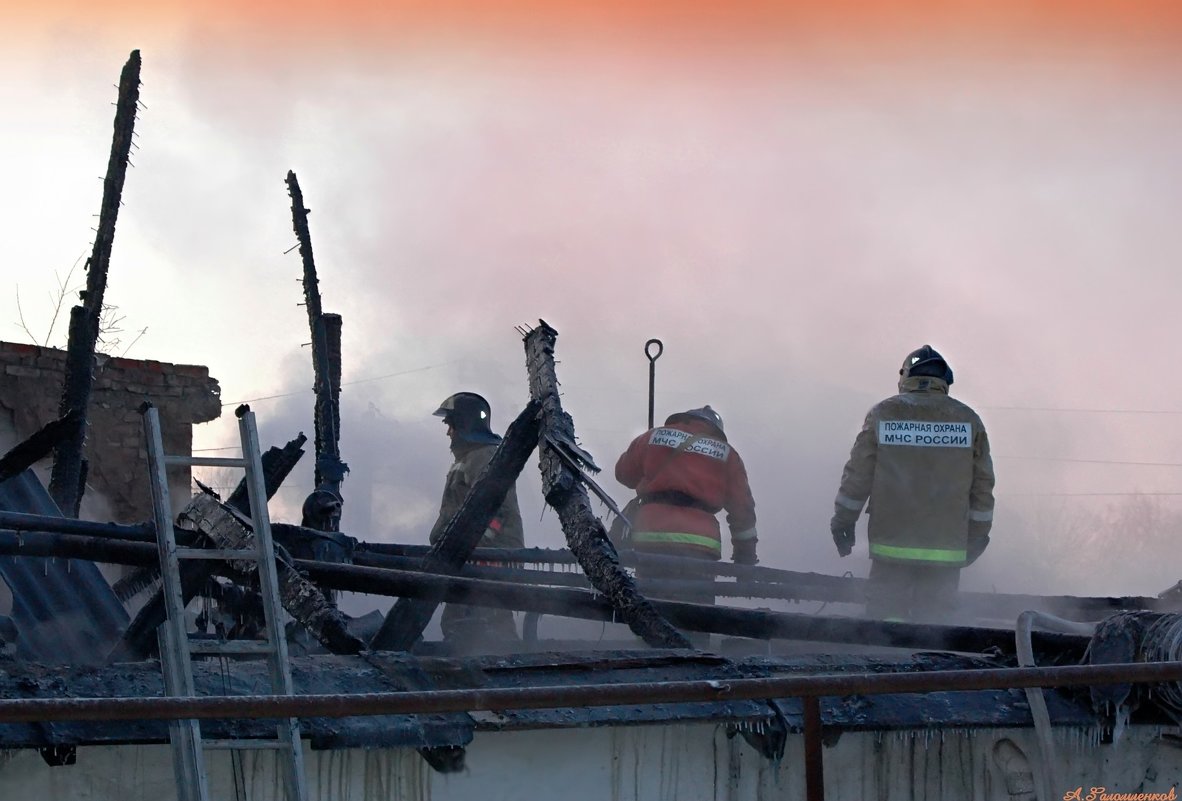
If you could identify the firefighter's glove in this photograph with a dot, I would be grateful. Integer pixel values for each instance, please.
(843, 538)
(842, 527)
(744, 553)
(978, 539)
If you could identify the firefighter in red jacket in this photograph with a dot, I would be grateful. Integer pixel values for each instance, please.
(684, 473)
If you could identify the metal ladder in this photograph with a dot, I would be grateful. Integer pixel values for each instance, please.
(176, 650)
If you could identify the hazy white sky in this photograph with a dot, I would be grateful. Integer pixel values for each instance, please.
(791, 219)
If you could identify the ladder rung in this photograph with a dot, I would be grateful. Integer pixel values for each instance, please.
(227, 554)
(230, 647)
(245, 745)
(205, 461)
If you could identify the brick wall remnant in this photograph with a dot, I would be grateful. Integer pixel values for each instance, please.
(30, 390)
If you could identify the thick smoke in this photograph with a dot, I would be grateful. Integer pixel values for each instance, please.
(790, 227)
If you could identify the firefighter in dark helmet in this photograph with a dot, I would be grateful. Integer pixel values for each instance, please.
(922, 460)
(468, 418)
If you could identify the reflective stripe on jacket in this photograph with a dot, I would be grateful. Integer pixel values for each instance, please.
(505, 529)
(681, 491)
(922, 459)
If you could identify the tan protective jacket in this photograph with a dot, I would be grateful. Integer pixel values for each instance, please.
(922, 459)
(505, 529)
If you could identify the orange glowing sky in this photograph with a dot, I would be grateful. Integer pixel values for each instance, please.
(1126, 25)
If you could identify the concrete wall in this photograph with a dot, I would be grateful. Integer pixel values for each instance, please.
(653, 763)
(117, 482)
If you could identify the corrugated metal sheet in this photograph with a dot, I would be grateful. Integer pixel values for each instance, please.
(64, 609)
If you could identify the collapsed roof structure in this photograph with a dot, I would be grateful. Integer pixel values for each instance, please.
(901, 710)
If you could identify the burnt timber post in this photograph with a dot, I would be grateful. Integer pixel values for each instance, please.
(322, 513)
(405, 623)
(67, 478)
(563, 490)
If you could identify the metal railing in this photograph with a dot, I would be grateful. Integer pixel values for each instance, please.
(16, 710)
(810, 688)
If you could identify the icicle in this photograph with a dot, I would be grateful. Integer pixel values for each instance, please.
(1122, 720)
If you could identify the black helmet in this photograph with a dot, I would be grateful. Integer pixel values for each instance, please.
(469, 414)
(926, 361)
(705, 413)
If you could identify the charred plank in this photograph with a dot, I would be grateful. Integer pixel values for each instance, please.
(139, 639)
(405, 623)
(753, 623)
(38, 446)
(799, 585)
(584, 531)
(300, 597)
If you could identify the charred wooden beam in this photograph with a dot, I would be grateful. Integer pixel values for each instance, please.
(66, 480)
(20, 521)
(549, 556)
(561, 602)
(36, 447)
(664, 588)
(299, 220)
(139, 639)
(322, 509)
(406, 621)
(329, 466)
(798, 585)
(752, 623)
(300, 597)
(773, 582)
(145, 533)
(94, 548)
(563, 490)
(277, 465)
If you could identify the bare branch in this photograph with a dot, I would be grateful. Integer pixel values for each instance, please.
(21, 314)
(57, 299)
(137, 339)
(110, 324)
(62, 290)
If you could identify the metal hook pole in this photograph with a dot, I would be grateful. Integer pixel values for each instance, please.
(652, 373)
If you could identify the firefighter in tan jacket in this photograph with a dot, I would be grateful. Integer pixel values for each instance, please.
(473, 443)
(922, 460)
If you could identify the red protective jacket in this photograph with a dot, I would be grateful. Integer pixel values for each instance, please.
(681, 491)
